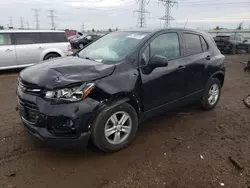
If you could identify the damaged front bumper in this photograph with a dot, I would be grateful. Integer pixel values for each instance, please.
(64, 125)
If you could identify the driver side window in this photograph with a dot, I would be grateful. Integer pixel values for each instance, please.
(166, 45)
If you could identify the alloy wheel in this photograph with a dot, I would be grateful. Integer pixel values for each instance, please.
(213, 94)
(118, 127)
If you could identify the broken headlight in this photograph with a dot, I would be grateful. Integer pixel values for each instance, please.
(71, 94)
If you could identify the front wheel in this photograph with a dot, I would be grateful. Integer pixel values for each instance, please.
(115, 128)
(211, 94)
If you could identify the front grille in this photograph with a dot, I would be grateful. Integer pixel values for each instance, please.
(30, 88)
(30, 111)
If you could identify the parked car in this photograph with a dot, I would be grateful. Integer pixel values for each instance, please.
(105, 90)
(23, 48)
(83, 40)
(232, 43)
(73, 37)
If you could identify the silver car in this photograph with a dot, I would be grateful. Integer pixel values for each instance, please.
(23, 48)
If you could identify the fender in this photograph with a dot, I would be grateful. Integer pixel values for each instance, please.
(51, 50)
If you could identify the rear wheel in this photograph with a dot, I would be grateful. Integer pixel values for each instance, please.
(211, 94)
(51, 56)
(115, 128)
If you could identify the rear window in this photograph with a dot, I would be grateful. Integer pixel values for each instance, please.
(193, 44)
(221, 38)
(53, 37)
(5, 39)
(27, 38)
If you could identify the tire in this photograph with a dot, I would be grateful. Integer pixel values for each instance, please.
(102, 122)
(247, 101)
(51, 56)
(206, 103)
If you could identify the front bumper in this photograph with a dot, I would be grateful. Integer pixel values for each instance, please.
(47, 122)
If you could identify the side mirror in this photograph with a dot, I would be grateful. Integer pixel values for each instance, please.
(245, 40)
(154, 62)
(158, 61)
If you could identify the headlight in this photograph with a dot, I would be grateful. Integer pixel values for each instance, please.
(71, 94)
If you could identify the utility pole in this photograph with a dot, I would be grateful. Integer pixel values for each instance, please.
(21, 23)
(142, 11)
(36, 11)
(52, 18)
(10, 22)
(168, 5)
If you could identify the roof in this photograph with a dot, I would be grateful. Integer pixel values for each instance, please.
(152, 30)
(30, 31)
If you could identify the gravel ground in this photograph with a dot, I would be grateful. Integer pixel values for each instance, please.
(188, 148)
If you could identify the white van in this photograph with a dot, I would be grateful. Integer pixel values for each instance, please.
(23, 48)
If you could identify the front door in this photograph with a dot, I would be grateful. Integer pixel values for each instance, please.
(7, 51)
(28, 48)
(163, 84)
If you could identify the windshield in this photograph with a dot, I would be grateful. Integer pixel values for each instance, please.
(113, 47)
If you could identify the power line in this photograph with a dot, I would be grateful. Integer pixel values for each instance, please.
(36, 11)
(142, 11)
(21, 23)
(52, 18)
(168, 5)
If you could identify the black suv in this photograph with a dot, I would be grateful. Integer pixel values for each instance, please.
(104, 91)
(232, 43)
(83, 40)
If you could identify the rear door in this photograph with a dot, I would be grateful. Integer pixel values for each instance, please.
(56, 42)
(7, 51)
(28, 48)
(196, 56)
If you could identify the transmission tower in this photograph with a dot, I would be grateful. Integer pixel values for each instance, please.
(83, 26)
(28, 25)
(142, 11)
(10, 22)
(168, 5)
(21, 23)
(52, 18)
(36, 11)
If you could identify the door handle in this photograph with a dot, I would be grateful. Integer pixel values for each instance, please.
(40, 47)
(8, 50)
(181, 67)
(208, 57)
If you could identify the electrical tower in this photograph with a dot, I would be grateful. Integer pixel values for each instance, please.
(36, 11)
(21, 23)
(52, 18)
(28, 25)
(142, 11)
(11, 22)
(83, 26)
(168, 5)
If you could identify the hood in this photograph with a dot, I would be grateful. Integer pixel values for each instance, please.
(61, 72)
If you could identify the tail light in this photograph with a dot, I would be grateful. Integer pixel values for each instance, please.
(69, 48)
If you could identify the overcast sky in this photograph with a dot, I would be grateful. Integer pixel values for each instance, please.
(104, 14)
